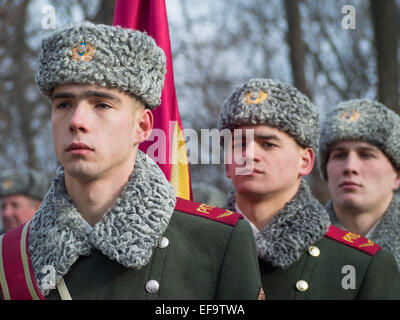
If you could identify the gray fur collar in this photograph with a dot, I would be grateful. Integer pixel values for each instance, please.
(299, 224)
(127, 233)
(386, 234)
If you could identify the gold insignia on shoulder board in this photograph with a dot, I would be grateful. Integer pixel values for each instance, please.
(256, 97)
(227, 213)
(204, 208)
(369, 243)
(350, 237)
(7, 184)
(84, 51)
(352, 116)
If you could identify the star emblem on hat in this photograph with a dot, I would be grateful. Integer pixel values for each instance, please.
(256, 97)
(7, 184)
(84, 51)
(351, 116)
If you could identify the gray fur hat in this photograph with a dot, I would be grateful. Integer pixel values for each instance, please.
(33, 184)
(364, 120)
(108, 56)
(272, 103)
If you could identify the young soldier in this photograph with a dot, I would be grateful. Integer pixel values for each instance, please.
(110, 227)
(360, 159)
(20, 196)
(301, 256)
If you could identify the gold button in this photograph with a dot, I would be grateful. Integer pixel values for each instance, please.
(314, 251)
(302, 285)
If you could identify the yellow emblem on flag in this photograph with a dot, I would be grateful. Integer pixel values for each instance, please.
(83, 52)
(353, 115)
(180, 165)
(256, 97)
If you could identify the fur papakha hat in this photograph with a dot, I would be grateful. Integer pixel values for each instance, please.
(108, 56)
(32, 183)
(361, 120)
(272, 103)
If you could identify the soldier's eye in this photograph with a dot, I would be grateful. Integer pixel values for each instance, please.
(103, 106)
(62, 105)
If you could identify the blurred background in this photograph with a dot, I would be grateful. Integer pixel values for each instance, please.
(327, 50)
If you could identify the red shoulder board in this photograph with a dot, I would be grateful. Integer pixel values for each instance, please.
(353, 240)
(207, 211)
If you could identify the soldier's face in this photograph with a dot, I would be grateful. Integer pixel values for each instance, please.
(96, 131)
(16, 210)
(278, 163)
(360, 176)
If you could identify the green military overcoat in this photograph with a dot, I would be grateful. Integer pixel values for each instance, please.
(148, 245)
(332, 270)
(302, 256)
(196, 258)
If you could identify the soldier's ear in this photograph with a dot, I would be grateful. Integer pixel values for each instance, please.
(397, 181)
(145, 125)
(307, 161)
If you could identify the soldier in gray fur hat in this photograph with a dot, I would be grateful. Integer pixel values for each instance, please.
(360, 159)
(111, 226)
(20, 196)
(296, 243)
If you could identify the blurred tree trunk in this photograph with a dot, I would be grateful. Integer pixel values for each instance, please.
(21, 77)
(296, 45)
(105, 14)
(297, 60)
(21, 85)
(386, 43)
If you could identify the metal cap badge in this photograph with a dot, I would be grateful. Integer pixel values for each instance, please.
(83, 52)
(353, 115)
(256, 97)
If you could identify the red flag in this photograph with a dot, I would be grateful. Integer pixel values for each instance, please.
(151, 16)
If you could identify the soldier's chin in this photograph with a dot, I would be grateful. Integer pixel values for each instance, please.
(249, 188)
(9, 226)
(81, 171)
(352, 202)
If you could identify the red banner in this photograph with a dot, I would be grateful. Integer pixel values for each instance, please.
(150, 16)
